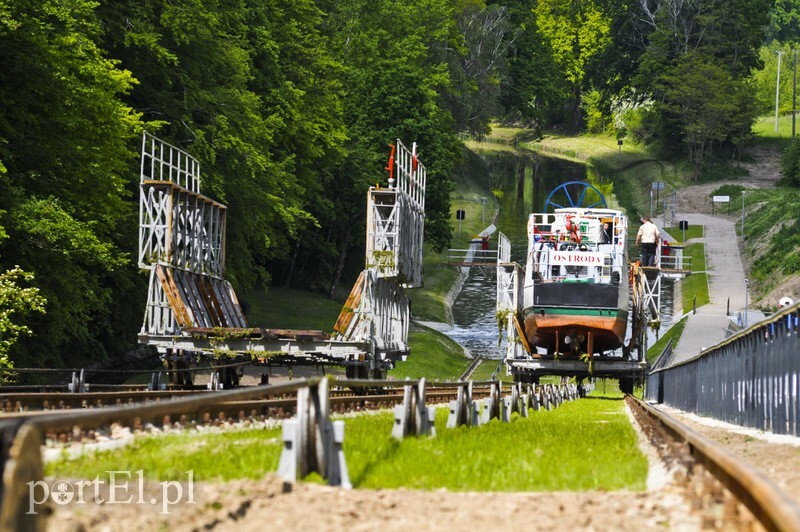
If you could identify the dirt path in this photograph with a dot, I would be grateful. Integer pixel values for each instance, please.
(764, 168)
(764, 171)
(268, 504)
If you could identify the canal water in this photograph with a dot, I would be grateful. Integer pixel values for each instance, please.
(521, 182)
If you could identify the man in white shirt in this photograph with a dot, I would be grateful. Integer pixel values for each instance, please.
(648, 236)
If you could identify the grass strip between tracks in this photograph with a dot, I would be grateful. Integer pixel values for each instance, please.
(582, 445)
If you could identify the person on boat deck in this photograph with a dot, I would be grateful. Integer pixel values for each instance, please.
(605, 233)
(648, 236)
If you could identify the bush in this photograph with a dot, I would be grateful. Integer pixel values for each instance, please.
(734, 191)
(596, 120)
(790, 166)
(639, 123)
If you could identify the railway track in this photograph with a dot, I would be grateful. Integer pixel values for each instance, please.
(731, 493)
(22, 433)
(728, 492)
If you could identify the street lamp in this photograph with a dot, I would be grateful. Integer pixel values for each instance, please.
(742, 214)
(746, 301)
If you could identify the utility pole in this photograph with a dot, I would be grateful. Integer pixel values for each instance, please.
(746, 301)
(794, 90)
(778, 89)
(742, 214)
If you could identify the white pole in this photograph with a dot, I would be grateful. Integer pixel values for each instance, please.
(746, 298)
(742, 214)
(777, 89)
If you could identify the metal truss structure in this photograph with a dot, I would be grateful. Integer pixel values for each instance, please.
(182, 243)
(192, 308)
(651, 284)
(396, 219)
(509, 295)
(378, 310)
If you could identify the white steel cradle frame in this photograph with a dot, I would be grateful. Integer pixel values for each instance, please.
(378, 310)
(191, 307)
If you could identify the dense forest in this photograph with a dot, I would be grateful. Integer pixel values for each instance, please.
(290, 106)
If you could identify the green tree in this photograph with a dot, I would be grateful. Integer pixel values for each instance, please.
(479, 70)
(397, 75)
(533, 89)
(708, 104)
(66, 141)
(790, 165)
(719, 39)
(16, 301)
(576, 31)
(785, 22)
(250, 90)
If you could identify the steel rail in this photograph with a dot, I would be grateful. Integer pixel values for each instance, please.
(16, 404)
(767, 502)
(96, 417)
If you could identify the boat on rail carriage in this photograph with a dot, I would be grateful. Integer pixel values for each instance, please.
(576, 290)
(567, 311)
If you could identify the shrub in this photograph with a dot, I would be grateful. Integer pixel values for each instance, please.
(790, 166)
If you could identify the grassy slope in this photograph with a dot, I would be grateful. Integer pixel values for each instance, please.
(278, 308)
(487, 368)
(772, 231)
(433, 355)
(674, 333)
(586, 444)
(632, 168)
(772, 228)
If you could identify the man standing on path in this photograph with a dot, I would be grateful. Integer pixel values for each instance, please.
(648, 235)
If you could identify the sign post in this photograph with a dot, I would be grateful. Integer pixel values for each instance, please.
(684, 225)
(719, 199)
(460, 215)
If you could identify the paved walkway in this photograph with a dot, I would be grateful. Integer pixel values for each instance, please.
(725, 280)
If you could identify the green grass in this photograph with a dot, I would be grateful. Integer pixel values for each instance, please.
(212, 456)
(694, 231)
(696, 284)
(673, 333)
(428, 302)
(697, 253)
(582, 445)
(764, 127)
(489, 367)
(278, 308)
(433, 356)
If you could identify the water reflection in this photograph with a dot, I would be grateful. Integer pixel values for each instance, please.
(521, 183)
